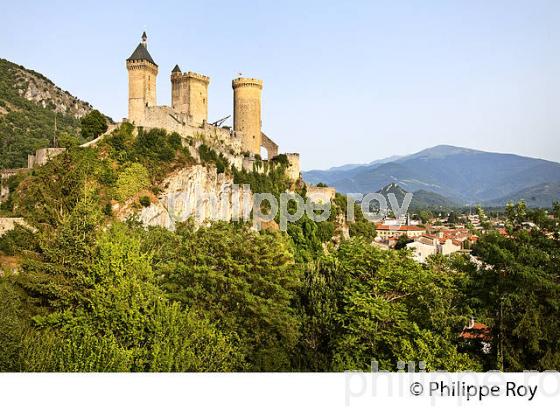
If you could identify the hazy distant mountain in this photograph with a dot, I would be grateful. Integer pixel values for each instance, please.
(459, 175)
(420, 199)
(538, 196)
(316, 176)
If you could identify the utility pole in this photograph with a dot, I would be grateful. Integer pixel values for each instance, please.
(55, 140)
(500, 337)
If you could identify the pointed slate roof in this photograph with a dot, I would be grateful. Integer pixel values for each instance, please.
(176, 69)
(141, 53)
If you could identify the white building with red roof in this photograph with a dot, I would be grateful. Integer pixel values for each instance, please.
(394, 231)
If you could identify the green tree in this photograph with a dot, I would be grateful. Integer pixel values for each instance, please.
(92, 125)
(122, 321)
(13, 325)
(391, 308)
(131, 180)
(452, 218)
(516, 214)
(66, 140)
(519, 292)
(246, 281)
(365, 229)
(425, 216)
(402, 241)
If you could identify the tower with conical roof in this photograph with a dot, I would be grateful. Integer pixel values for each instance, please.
(142, 74)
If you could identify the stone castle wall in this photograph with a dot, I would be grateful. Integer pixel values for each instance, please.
(270, 146)
(42, 156)
(188, 114)
(321, 194)
(223, 140)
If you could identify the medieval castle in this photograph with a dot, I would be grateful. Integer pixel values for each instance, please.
(188, 113)
(188, 116)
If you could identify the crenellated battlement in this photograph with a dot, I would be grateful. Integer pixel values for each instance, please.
(196, 76)
(247, 82)
(178, 76)
(141, 65)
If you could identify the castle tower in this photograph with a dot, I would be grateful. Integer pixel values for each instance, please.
(178, 91)
(142, 73)
(197, 97)
(293, 170)
(247, 112)
(189, 95)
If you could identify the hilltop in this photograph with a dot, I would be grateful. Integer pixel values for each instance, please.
(421, 199)
(28, 103)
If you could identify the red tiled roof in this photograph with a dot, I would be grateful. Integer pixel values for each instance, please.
(478, 331)
(382, 227)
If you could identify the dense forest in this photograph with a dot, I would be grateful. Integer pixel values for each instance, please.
(91, 293)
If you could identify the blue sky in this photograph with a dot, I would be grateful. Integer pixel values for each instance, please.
(344, 82)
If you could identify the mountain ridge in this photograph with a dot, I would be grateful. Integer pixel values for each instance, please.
(460, 175)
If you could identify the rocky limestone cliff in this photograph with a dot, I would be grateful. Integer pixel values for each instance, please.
(40, 90)
(196, 192)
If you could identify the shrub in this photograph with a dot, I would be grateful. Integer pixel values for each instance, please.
(16, 240)
(145, 201)
(68, 141)
(108, 209)
(155, 145)
(131, 180)
(325, 231)
(208, 155)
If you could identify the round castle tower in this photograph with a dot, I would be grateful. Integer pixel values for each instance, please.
(247, 112)
(142, 74)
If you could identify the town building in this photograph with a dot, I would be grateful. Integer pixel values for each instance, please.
(390, 231)
(426, 245)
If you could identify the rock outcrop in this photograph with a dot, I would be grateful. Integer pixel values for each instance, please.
(38, 89)
(8, 224)
(197, 192)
